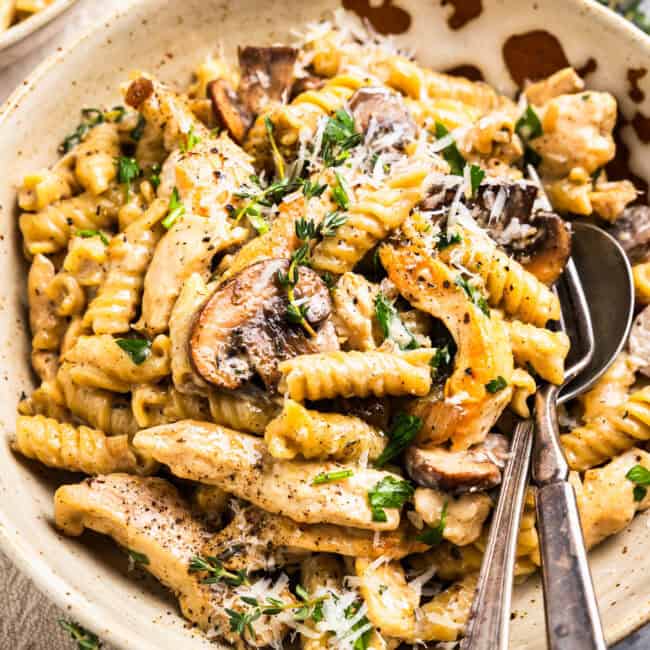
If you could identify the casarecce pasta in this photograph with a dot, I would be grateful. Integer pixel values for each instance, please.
(309, 286)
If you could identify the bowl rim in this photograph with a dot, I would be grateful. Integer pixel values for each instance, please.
(17, 33)
(36, 568)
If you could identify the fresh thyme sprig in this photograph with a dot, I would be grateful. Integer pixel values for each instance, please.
(85, 640)
(216, 572)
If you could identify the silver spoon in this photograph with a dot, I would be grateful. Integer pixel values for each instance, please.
(570, 604)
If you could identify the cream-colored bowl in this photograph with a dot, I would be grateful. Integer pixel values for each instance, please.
(87, 576)
(23, 37)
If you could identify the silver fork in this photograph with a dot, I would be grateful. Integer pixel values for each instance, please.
(572, 617)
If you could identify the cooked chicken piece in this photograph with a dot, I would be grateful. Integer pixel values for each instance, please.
(386, 111)
(539, 240)
(458, 471)
(469, 410)
(258, 539)
(576, 132)
(632, 230)
(609, 198)
(228, 109)
(244, 329)
(465, 515)
(240, 464)
(145, 515)
(563, 82)
(639, 341)
(267, 74)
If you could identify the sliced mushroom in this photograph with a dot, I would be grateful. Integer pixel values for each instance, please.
(632, 230)
(539, 240)
(243, 328)
(461, 471)
(303, 84)
(267, 74)
(228, 109)
(639, 341)
(388, 111)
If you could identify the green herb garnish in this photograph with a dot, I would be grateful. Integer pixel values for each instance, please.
(154, 175)
(332, 477)
(450, 153)
(85, 640)
(362, 642)
(137, 349)
(476, 176)
(641, 477)
(278, 160)
(312, 188)
(433, 536)
(90, 118)
(176, 210)
(216, 572)
(127, 171)
(474, 295)
(331, 223)
(529, 126)
(339, 136)
(138, 130)
(93, 233)
(191, 140)
(404, 429)
(390, 492)
(440, 361)
(391, 324)
(339, 193)
(445, 240)
(138, 558)
(242, 622)
(495, 385)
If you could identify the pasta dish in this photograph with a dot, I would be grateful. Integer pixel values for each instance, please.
(15, 11)
(285, 319)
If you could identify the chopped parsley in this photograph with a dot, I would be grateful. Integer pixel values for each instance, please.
(404, 429)
(433, 536)
(85, 640)
(138, 130)
(176, 209)
(445, 240)
(216, 572)
(474, 295)
(390, 492)
(332, 477)
(640, 476)
(127, 171)
(441, 361)
(90, 118)
(495, 385)
(339, 193)
(93, 233)
(529, 126)
(138, 558)
(391, 324)
(191, 140)
(450, 153)
(476, 176)
(339, 136)
(137, 349)
(362, 642)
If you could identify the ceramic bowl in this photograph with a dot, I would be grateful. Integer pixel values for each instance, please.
(504, 40)
(20, 39)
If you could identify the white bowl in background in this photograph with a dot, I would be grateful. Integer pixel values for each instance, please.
(88, 576)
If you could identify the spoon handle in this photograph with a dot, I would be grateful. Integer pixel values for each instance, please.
(489, 617)
(571, 609)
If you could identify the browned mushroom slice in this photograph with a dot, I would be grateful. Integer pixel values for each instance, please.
(386, 109)
(547, 256)
(232, 115)
(458, 471)
(632, 230)
(267, 74)
(243, 329)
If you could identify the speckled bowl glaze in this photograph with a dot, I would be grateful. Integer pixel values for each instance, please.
(506, 40)
(20, 39)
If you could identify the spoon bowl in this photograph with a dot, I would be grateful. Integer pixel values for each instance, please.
(608, 286)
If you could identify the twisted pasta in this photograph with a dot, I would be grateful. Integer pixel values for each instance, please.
(248, 411)
(76, 449)
(46, 324)
(354, 312)
(129, 254)
(96, 158)
(85, 260)
(356, 374)
(65, 292)
(154, 405)
(49, 230)
(641, 274)
(610, 433)
(321, 435)
(523, 387)
(369, 220)
(47, 186)
(543, 349)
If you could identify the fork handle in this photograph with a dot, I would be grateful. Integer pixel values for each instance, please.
(489, 617)
(572, 618)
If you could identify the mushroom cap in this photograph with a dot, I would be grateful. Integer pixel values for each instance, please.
(632, 230)
(243, 328)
